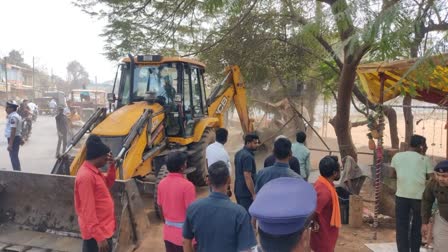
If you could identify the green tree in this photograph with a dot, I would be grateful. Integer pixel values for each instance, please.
(274, 38)
(77, 75)
(15, 58)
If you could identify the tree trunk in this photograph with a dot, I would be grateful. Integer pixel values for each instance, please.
(341, 122)
(392, 118)
(311, 100)
(408, 118)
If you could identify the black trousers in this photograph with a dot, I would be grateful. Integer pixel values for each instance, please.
(171, 247)
(61, 140)
(14, 153)
(408, 225)
(244, 201)
(92, 246)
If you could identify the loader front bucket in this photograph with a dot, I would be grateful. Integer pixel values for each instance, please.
(37, 213)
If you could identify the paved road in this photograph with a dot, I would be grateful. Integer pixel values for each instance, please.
(38, 154)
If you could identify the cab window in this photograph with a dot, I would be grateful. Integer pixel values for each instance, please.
(196, 86)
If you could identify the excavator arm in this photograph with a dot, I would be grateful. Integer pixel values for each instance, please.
(232, 88)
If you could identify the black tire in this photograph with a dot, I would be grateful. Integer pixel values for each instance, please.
(161, 175)
(197, 157)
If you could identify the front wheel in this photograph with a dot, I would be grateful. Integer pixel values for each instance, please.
(161, 175)
(197, 157)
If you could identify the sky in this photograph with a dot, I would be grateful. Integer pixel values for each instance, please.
(55, 32)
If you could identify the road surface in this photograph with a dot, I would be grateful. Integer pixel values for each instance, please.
(38, 154)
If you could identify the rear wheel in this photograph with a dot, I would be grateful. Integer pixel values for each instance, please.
(197, 157)
(160, 175)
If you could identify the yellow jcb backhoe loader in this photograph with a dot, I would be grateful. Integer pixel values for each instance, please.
(158, 105)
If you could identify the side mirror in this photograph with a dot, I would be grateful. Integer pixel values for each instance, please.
(111, 97)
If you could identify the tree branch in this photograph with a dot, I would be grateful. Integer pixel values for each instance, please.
(362, 98)
(357, 108)
(387, 4)
(326, 62)
(330, 2)
(143, 6)
(225, 34)
(360, 123)
(301, 20)
(330, 50)
(436, 27)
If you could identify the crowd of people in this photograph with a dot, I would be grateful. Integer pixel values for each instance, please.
(267, 203)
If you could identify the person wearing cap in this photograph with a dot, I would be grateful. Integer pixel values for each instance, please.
(293, 161)
(93, 202)
(411, 168)
(302, 153)
(13, 132)
(283, 218)
(328, 214)
(437, 189)
(245, 171)
(62, 128)
(281, 168)
(174, 194)
(218, 224)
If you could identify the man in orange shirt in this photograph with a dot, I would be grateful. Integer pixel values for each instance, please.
(327, 212)
(93, 202)
(174, 194)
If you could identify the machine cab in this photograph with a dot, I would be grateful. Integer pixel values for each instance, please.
(175, 83)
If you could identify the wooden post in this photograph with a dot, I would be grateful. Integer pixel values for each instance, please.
(355, 211)
(379, 156)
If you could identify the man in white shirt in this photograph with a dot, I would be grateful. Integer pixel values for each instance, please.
(216, 152)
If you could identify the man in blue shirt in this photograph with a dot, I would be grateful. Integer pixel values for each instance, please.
(293, 161)
(215, 222)
(302, 153)
(282, 153)
(245, 170)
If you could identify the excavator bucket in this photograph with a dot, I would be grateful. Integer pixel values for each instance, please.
(37, 213)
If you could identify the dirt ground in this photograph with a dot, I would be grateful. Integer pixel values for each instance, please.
(350, 239)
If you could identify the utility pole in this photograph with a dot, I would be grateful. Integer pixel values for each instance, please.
(6, 79)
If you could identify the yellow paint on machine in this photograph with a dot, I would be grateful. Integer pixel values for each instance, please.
(120, 122)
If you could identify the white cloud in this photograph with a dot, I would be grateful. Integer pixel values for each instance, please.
(55, 32)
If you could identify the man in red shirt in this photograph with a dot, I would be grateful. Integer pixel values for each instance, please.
(327, 210)
(174, 194)
(93, 202)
